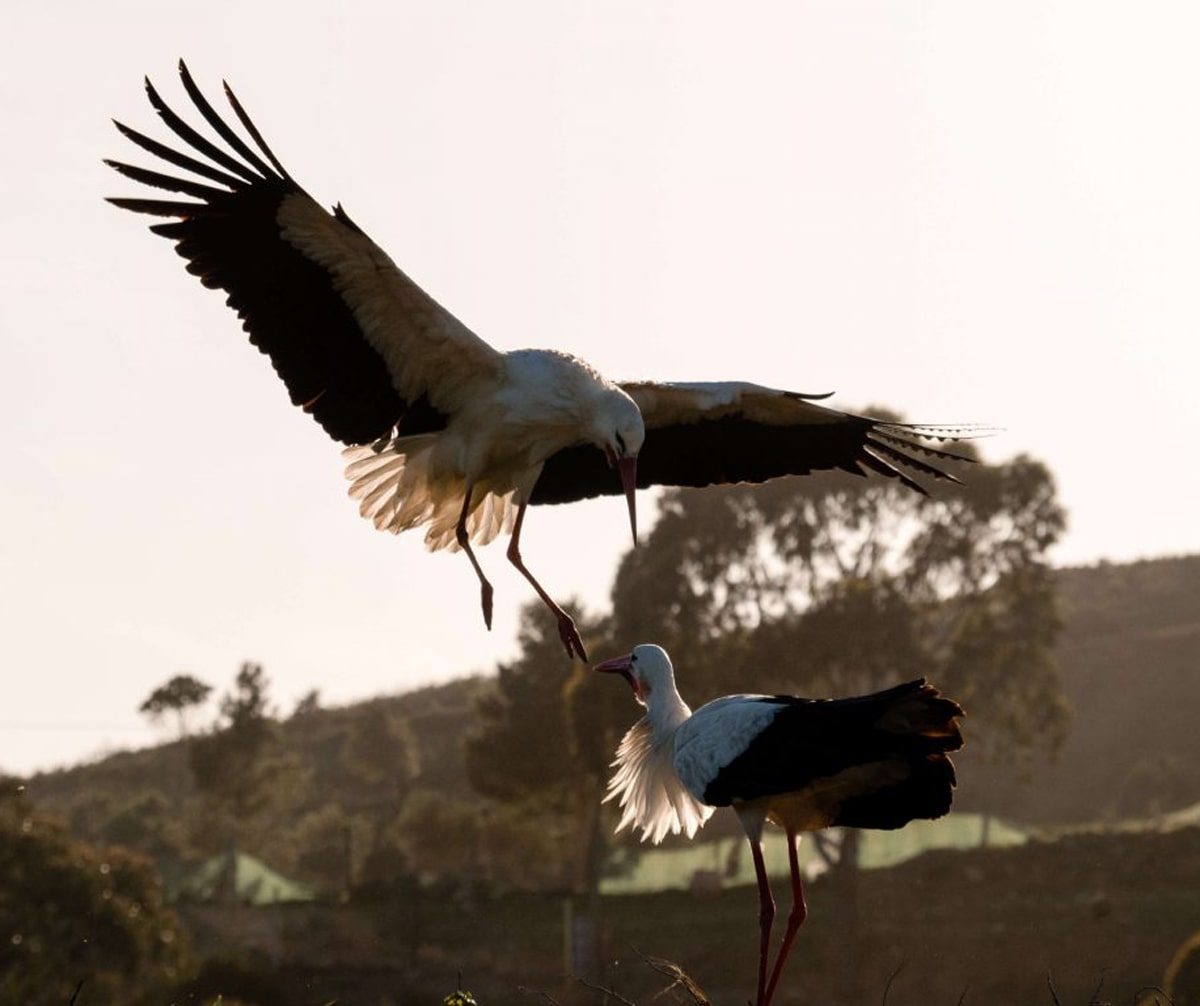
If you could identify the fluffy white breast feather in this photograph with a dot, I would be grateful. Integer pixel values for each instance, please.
(650, 793)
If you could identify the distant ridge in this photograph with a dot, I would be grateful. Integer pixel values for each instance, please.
(1130, 661)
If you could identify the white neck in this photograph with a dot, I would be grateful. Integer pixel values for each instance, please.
(665, 710)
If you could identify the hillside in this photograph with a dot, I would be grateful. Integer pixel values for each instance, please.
(1128, 655)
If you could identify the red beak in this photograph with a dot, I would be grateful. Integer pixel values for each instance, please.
(622, 666)
(627, 467)
(616, 664)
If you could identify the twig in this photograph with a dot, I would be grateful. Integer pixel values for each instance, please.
(1157, 990)
(678, 977)
(1053, 992)
(538, 992)
(962, 997)
(1095, 1000)
(75, 994)
(888, 987)
(601, 989)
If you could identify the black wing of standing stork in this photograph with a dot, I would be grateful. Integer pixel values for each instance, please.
(872, 761)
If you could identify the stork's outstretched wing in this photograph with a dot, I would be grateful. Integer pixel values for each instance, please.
(358, 344)
(719, 433)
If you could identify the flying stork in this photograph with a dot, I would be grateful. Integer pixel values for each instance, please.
(441, 430)
(874, 761)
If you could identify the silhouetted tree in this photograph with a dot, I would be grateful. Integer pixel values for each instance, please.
(230, 765)
(833, 585)
(307, 704)
(182, 693)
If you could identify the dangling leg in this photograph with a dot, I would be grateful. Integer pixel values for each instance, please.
(566, 625)
(795, 917)
(752, 824)
(460, 535)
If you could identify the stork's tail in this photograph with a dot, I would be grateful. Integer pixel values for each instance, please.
(396, 490)
(922, 726)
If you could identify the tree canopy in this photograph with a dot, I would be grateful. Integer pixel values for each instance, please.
(71, 912)
(835, 586)
(178, 696)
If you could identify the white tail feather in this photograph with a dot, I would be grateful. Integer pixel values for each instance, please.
(396, 490)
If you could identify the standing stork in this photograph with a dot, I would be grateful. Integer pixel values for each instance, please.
(442, 430)
(875, 761)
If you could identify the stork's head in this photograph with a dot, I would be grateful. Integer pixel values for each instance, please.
(647, 669)
(618, 430)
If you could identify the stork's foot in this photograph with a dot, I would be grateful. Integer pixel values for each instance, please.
(485, 602)
(570, 638)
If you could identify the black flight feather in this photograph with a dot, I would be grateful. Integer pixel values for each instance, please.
(288, 303)
(219, 124)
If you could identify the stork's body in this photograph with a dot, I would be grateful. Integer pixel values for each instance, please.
(473, 479)
(874, 761)
(442, 430)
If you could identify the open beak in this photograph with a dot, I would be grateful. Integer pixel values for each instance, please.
(622, 666)
(627, 468)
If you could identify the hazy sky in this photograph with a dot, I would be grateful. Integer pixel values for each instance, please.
(968, 211)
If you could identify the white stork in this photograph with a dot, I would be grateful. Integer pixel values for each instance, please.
(444, 431)
(875, 761)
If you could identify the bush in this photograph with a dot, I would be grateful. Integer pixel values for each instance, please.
(69, 912)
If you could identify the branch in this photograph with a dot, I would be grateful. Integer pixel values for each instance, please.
(891, 978)
(962, 997)
(677, 975)
(1053, 992)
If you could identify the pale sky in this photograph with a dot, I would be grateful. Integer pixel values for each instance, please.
(967, 211)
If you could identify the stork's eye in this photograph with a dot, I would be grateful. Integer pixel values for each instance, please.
(620, 443)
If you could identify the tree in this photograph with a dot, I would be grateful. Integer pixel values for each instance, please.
(178, 696)
(378, 761)
(833, 585)
(545, 739)
(307, 704)
(71, 912)
(230, 764)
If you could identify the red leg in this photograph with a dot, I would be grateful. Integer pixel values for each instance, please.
(766, 916)
(795, 917)
(566, 625)
(460, 535)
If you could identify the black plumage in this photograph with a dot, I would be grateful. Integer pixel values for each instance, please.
(900, 739)
(732, 447)
(288, 304)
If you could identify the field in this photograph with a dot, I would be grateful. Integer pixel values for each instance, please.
(988, 922)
